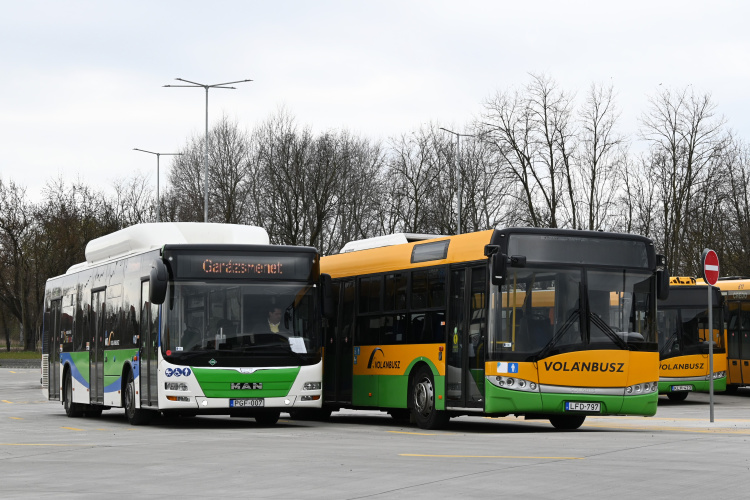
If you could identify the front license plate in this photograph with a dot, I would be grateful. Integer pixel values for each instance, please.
(582, 406)
(680, 388)
(247, 403)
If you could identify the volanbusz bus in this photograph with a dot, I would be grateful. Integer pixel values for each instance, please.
(172, 318)
(683, 340)
(736, 291)
(501, 322)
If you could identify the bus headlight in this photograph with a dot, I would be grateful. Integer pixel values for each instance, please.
(514, 383)
(311, 386)
(175, 386)
(718, 375)
(645, 388)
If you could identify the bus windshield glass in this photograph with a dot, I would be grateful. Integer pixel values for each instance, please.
(542, 312)
(255, 318)
(683, 331)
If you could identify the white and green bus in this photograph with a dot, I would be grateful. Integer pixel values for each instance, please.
(173, 318)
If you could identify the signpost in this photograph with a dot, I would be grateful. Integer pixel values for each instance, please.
(710, 262)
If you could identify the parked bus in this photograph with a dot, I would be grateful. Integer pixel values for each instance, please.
(499, 322)
(175, 318)
(683, 340)
(736, 291)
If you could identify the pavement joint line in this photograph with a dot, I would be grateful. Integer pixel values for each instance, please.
(489, 456)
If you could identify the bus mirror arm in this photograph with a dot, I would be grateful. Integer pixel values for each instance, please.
(326, 288)
(157, 279)
(662, 284)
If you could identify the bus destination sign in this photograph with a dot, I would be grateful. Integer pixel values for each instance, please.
(250, 266)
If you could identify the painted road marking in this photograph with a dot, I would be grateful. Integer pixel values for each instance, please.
(423, 433)
(71, 428)
(490, 456)
(42, 444)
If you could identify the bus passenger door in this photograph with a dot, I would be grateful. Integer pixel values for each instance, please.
(96, 347)
(738, 343)
(337, 369)
(53, 348)
(149, 347)
(466, 334)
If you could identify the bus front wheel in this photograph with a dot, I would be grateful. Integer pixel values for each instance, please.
(136, 416)
(72, 410)
(267, 418)
(423, 401)
(567, 422)
(677, 396)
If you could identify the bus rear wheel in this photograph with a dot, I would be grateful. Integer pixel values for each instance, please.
(136, 416)
(72, 410)
(567, 422)
(422, 403)
(677, 396)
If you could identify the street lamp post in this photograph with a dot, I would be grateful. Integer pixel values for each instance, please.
(458, 168)
(205, 147)
(157, 174)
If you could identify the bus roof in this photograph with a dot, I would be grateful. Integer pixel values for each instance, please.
(385, 241)
(462, 248)
(143, 237)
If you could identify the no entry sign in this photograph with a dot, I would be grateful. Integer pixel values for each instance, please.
(710, 266)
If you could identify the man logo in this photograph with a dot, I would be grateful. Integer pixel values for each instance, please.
(247, 386)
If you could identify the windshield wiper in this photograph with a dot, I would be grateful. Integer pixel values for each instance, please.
(608, 331)
(559, 334)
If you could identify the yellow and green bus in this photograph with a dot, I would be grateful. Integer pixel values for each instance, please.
(683, 340)
(516, 321)
(736, 292)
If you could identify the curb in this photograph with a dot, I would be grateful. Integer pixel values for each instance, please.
(21, 363)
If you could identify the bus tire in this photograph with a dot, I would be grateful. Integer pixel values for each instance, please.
(269, 418)
(732, 388)
(422, 404)
(677, 396)
(72, 410)
(567, 422)
(136, 416)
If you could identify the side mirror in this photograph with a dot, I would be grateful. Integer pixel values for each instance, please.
(326, 292)
(498, 268)
(662, 284)
(157, 281)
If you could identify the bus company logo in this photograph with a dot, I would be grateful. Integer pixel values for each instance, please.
(582, 366)
(212, 362)
(246, 386)
(682, 366)
(384, 364)
(177, 372)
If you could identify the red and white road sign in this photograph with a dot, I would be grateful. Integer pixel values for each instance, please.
(710, 266)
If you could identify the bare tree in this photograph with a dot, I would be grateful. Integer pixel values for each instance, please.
(532, 133)
(601, 161)
(686, 140)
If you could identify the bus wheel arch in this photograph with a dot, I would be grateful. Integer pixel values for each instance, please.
(422, 398)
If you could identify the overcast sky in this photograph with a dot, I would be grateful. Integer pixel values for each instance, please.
(81, 82)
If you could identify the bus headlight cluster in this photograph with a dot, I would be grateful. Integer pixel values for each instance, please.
(514, 383)
(175, 386)
(645, 388)
(311, 386)
(718, 375)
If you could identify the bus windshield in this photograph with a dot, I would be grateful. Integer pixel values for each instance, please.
(255, 318)
(682, 331)
(543, 312)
